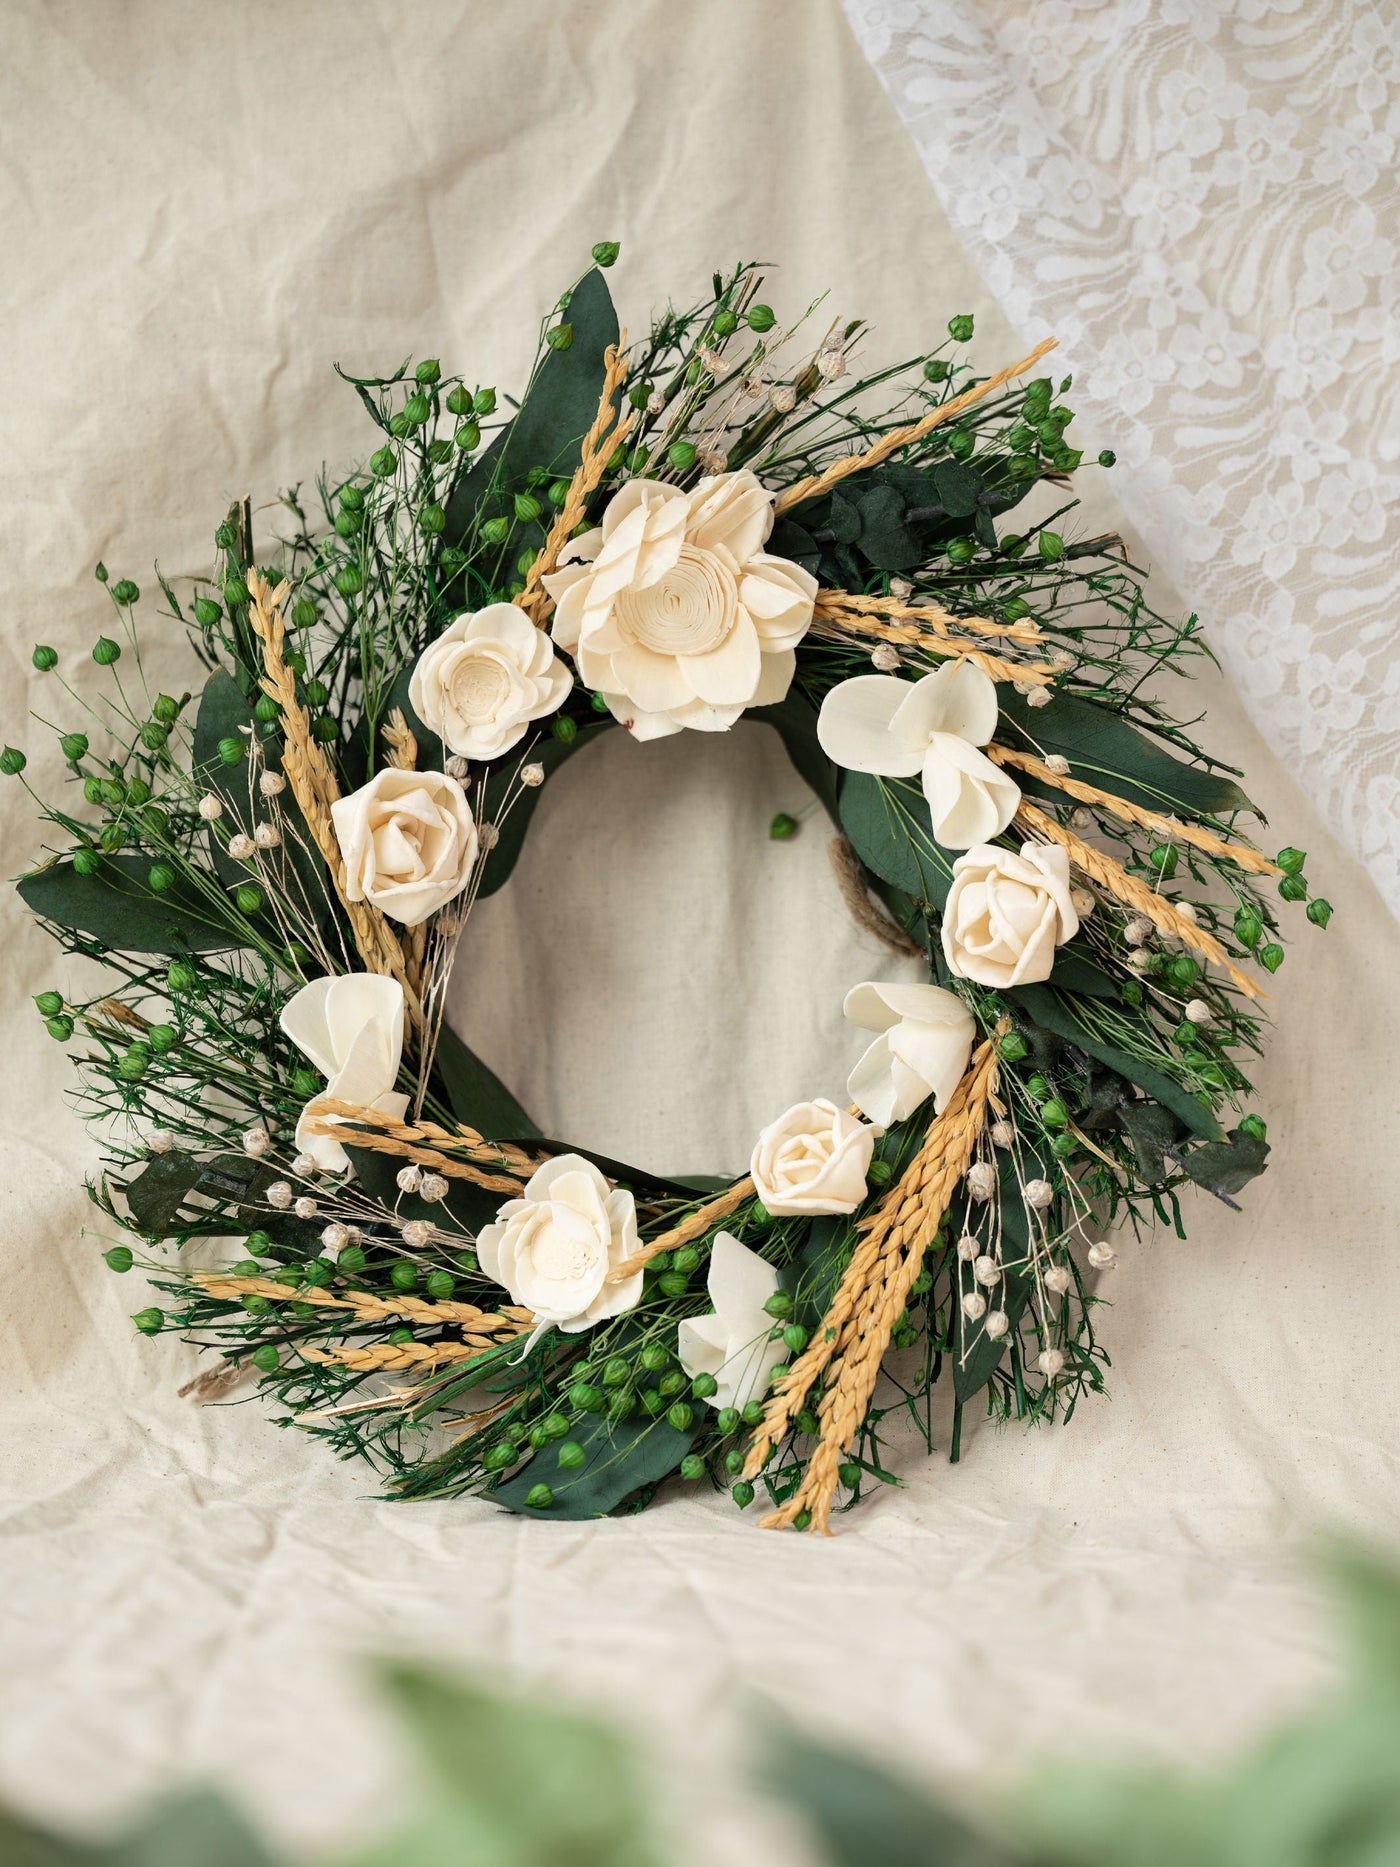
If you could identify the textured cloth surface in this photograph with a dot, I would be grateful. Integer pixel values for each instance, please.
(204, 207)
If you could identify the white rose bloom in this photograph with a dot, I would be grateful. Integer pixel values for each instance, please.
(1005, 914)
(813, 1159)
(351, 1028)
(485, 678)
(675, 613)
(408, 840)
(553, 1247)
(896, 728)
(732, 1343)
(924, 1041)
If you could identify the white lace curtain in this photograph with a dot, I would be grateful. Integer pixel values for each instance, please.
(1200, 200)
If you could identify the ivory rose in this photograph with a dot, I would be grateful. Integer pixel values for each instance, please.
(896, 728)
(924, 1039)
(408, 840)
(554, 1246)
(813, 1159)
(674, 612)
(485, 678)
(1005, 914)
(732, 1343)
(351, 1028)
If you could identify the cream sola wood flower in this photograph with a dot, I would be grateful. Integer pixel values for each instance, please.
(409, 842)
(487, 676)
(732, 1344)
(813, 1159)
(553, 1248)
(1005, 914)
(351, 1028)
(674, 612)
(933, 727)
(923, 1039)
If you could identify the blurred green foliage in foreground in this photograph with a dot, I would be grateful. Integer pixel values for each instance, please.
(511, 1782)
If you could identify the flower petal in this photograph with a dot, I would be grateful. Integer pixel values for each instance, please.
(740, 1282)
(730, 509)
(956, 698)
(303, 1019)
(870, 1084)
(856, 727)
(970, 799)
(727, 674)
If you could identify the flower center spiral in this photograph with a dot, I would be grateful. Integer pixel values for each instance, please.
(480, 687)
(687, 611)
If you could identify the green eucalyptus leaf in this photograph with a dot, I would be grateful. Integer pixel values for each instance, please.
(162, 1197)
(1104, 750)
(624, 1456)
(1226, 1167)
(887, 821)
(885, 539)
(117, 907)
(1153, 1132)
(476, 1096)
(958, 486)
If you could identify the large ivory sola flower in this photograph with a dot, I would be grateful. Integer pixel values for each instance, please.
(486, 677)
(674, 612)
(732, 1343)
(554, 1246)
(894, 728)
(408, 840)
(813, 1159)
(923, 1041)
(351, 1028)
(1005, 914)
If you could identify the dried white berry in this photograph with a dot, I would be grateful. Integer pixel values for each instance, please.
(306, 1208)
(997, 1324)
(241, 847)
(831, 365)
(973, 1305)
(1062, 659)
(1103, 1257)
(1082, 902)
(713, 459)
(1058, 1279)
(1058, 763)
(456, 767)
(272, 784)
(712, 361)
(901, 589)
(306, 1166)
(1003, 1134)
(782, 398)
(987, 1271)
(1082, 819)
(489, 835)
(532, 775)
(655, 402)
(433, 1187)
(885, 657)
(267, 836)
(256, 1141)
(1186, 909)
(1039, 1194)
(1050, 1362)
(161, 1141)
(1040, 697)
(1198, 1011)
(1136, 930)
(335, 1237)
(211, 808)
(969, 1248)
(408, 1179)
(279, 1195)
(1138, 961)
(416, 1233)
(981, 1180)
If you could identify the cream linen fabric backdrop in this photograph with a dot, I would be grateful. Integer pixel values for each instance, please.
(204, 206)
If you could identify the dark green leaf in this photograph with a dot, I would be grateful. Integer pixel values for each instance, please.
(1059, 1013)
(470, 1206)
(162, 1197)
(623, 1456)
(885, 539)
(844, 519)
(976, 1355)
(476, 1095)
(117, 907)
(794, 719)
(1153, 1132)
(818, 1267)
(958, 487)
(1104, 750)
(1225, 1167)
(887, 820)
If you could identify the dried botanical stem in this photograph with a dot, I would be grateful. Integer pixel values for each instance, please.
(1243, 855)
(863, 908)
(314, 786)
(401, 740)
(427, 1145)
(844, 605)
(598, 445)
(818, 483)
(835, 622)
(686, 1232)
(509, 1320)
(900, 1235)
(213, 1383)
(1135, 894)
(393, 1357)
(115, 1012)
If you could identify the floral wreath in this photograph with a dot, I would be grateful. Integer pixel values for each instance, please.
(276, 870)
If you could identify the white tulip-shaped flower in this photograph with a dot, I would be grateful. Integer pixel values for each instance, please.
(924, 1041)
(351, 1028)
(553, 1247)
(895, 728)
(673, 610)
(486, 677)
(732, 1343)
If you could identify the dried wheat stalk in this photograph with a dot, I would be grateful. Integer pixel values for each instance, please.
(818, 483)
(427, 1145)
(686, 1232)
(401, 740)
(509, 1320)
(845, 605)
(1243, 855)
(911, 635)
(394, 1357)
(1135, 894)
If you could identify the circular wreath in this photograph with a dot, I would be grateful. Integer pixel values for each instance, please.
(718, 522)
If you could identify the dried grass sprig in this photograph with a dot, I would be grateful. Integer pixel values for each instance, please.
(427, 1145)
(608, 429)
(1135, 894)
(696, 1226)
(394, 1357)
(401, 741)
(845, 605)
(913, 635)
(1243, 855)
(853, 1336)
(818, 483)
(509, 1320)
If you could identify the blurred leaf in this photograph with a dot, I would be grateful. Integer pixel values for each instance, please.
(197, 1831)
(515, 1784)
(117, 907)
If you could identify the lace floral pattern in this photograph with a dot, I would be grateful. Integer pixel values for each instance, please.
(1200, 200)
